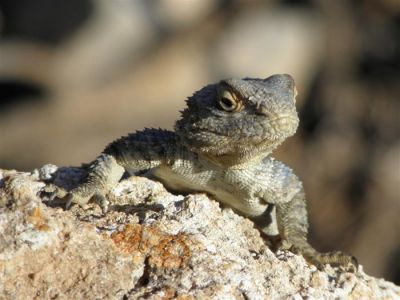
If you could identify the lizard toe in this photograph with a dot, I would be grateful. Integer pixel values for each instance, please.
(102, 201)
(72, 198)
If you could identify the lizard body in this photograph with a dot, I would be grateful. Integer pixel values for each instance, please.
(222, 145)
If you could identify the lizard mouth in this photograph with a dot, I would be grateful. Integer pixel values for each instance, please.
(280, 127)
(284, 120)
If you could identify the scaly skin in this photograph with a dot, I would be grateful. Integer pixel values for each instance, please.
(221, 145)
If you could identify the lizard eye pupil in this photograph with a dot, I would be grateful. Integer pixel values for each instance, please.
(227, 104)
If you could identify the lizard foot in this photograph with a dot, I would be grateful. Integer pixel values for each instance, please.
(53, 195)
(335, 258)
(74, 198)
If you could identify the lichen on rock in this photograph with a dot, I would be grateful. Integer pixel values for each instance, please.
(151, 245)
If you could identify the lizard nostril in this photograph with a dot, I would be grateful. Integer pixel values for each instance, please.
(262, 109)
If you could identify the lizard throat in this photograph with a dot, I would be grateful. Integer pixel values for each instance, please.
(239, 158)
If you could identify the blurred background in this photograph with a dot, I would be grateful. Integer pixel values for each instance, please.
(74, 75)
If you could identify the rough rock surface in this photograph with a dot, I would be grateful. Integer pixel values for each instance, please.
(152, 245)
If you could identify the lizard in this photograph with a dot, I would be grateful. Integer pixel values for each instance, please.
(221, 145)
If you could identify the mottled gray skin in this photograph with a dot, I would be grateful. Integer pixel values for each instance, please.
(221, 145)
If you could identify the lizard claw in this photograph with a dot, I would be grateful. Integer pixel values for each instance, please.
(102, 201)
(352, 264)
(68, 201)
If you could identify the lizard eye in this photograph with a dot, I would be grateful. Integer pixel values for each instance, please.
(228, 101)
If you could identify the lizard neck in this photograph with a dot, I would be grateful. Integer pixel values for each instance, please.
(241, 155)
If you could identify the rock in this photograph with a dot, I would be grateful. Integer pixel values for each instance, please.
(151, 245)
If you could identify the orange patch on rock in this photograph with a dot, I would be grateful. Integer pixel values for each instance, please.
(162, 250)
(37, 220)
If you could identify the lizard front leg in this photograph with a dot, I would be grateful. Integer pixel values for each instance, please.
(293, 228)
(140, 151)
(104, 172)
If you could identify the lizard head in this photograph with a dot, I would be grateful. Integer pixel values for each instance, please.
(237, 120)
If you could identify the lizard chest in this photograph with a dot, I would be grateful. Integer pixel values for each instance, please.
(183, 182)
(185, 175)
(229, 188)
